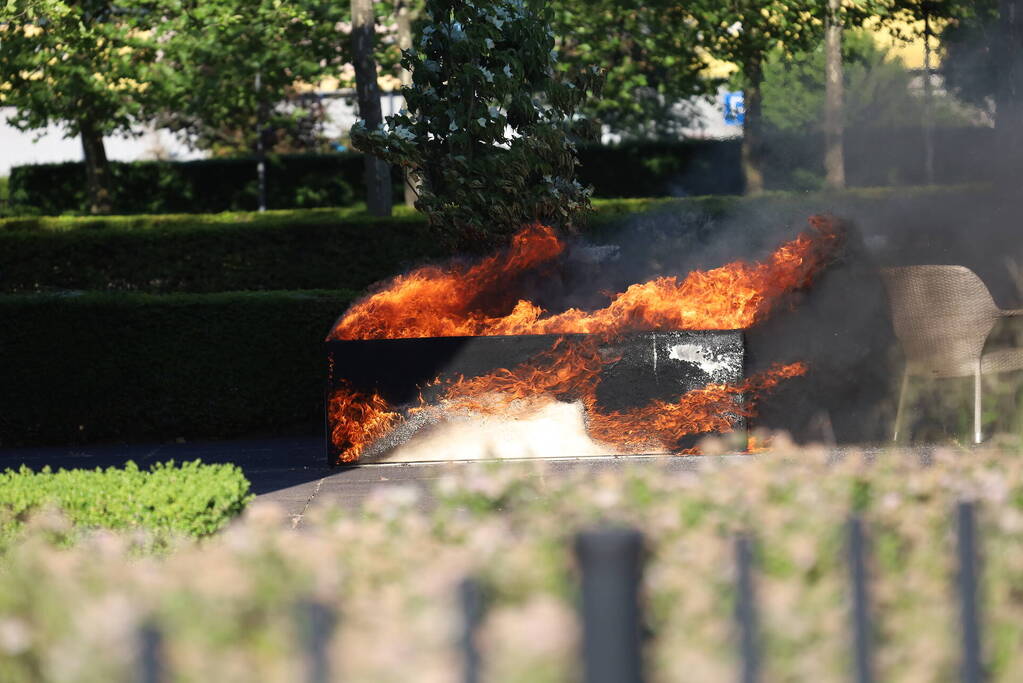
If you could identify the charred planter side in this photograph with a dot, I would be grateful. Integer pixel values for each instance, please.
(649, 365)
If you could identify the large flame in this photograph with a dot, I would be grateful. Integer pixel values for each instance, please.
(446, 302)
(460, 300)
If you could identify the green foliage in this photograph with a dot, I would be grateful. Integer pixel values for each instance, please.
(877, 89)
(79, 367)
(192, 499)
(202, 186)
(651, 58)
(231, 64)
(744, 32)
(488, 119)
(279, 250)
(76, 64)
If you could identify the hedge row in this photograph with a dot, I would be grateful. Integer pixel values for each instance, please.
(631, 169)
(316, 249)
(206, 185)
(136, 366)
(289, 252)
(310, 249)
(192, 498)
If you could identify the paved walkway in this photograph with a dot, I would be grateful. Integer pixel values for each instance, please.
(292, 472)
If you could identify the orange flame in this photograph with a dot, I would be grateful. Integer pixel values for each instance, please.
(438, 302)
(453, 301)
(713, 408)
(358, 419)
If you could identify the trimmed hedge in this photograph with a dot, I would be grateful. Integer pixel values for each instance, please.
(201, 186)
(290, 250)
(630, 169)
(192, 499)
(87, 367)
(316, 249)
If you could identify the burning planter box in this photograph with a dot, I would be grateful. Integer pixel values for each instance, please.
(382, 392)
(659, 365)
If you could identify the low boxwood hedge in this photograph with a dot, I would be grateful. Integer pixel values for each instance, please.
(192, 499)
(94, 366)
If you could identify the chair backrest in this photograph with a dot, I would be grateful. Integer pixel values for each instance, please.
(942, 316)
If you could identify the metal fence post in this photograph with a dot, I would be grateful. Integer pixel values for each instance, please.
(150, 654)
(966, 535)
(470, 595)
(610, 561)
(316, 626)
(860, 601)
(746, 611)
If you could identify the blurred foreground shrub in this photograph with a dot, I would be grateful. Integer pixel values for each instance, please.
(191, 499)
(390, 569)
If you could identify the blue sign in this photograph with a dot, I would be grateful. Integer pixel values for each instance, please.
(735, 109)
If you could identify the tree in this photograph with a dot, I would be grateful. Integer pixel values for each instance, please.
(651, 56)
(834, 128)
(878, 89)
(86, 66)
(377, 173)
(744, 32)
(929, 13)
(232, 66)
(488, 122)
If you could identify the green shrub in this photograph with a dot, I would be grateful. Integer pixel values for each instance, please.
(320, 248)
(874, 157)
(286, 250)
(206, 185)
(138, 366)
(192, 499)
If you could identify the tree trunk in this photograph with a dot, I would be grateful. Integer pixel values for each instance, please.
(97, 168)
(753, 127)
(403, 20)
(378, 172)
(260, 147)
(834, 126)
(928, 102)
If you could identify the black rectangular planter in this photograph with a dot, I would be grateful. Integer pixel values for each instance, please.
(649, 365)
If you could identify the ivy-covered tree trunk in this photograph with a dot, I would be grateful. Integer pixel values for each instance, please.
(378, 172)
(97, 168)
(834, 127)
(753, 126)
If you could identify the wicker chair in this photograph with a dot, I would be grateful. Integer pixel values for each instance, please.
(942, 317)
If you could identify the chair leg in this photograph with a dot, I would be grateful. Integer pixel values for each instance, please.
(978, 435)
(902, 406)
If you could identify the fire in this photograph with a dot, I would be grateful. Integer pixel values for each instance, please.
(357, 420)
(713, 408)
(472, 300)
(454, 301)
(445, 302)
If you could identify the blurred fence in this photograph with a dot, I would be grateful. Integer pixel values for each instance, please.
(610, 563)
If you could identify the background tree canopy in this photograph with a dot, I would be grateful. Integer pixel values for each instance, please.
(878, 88)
